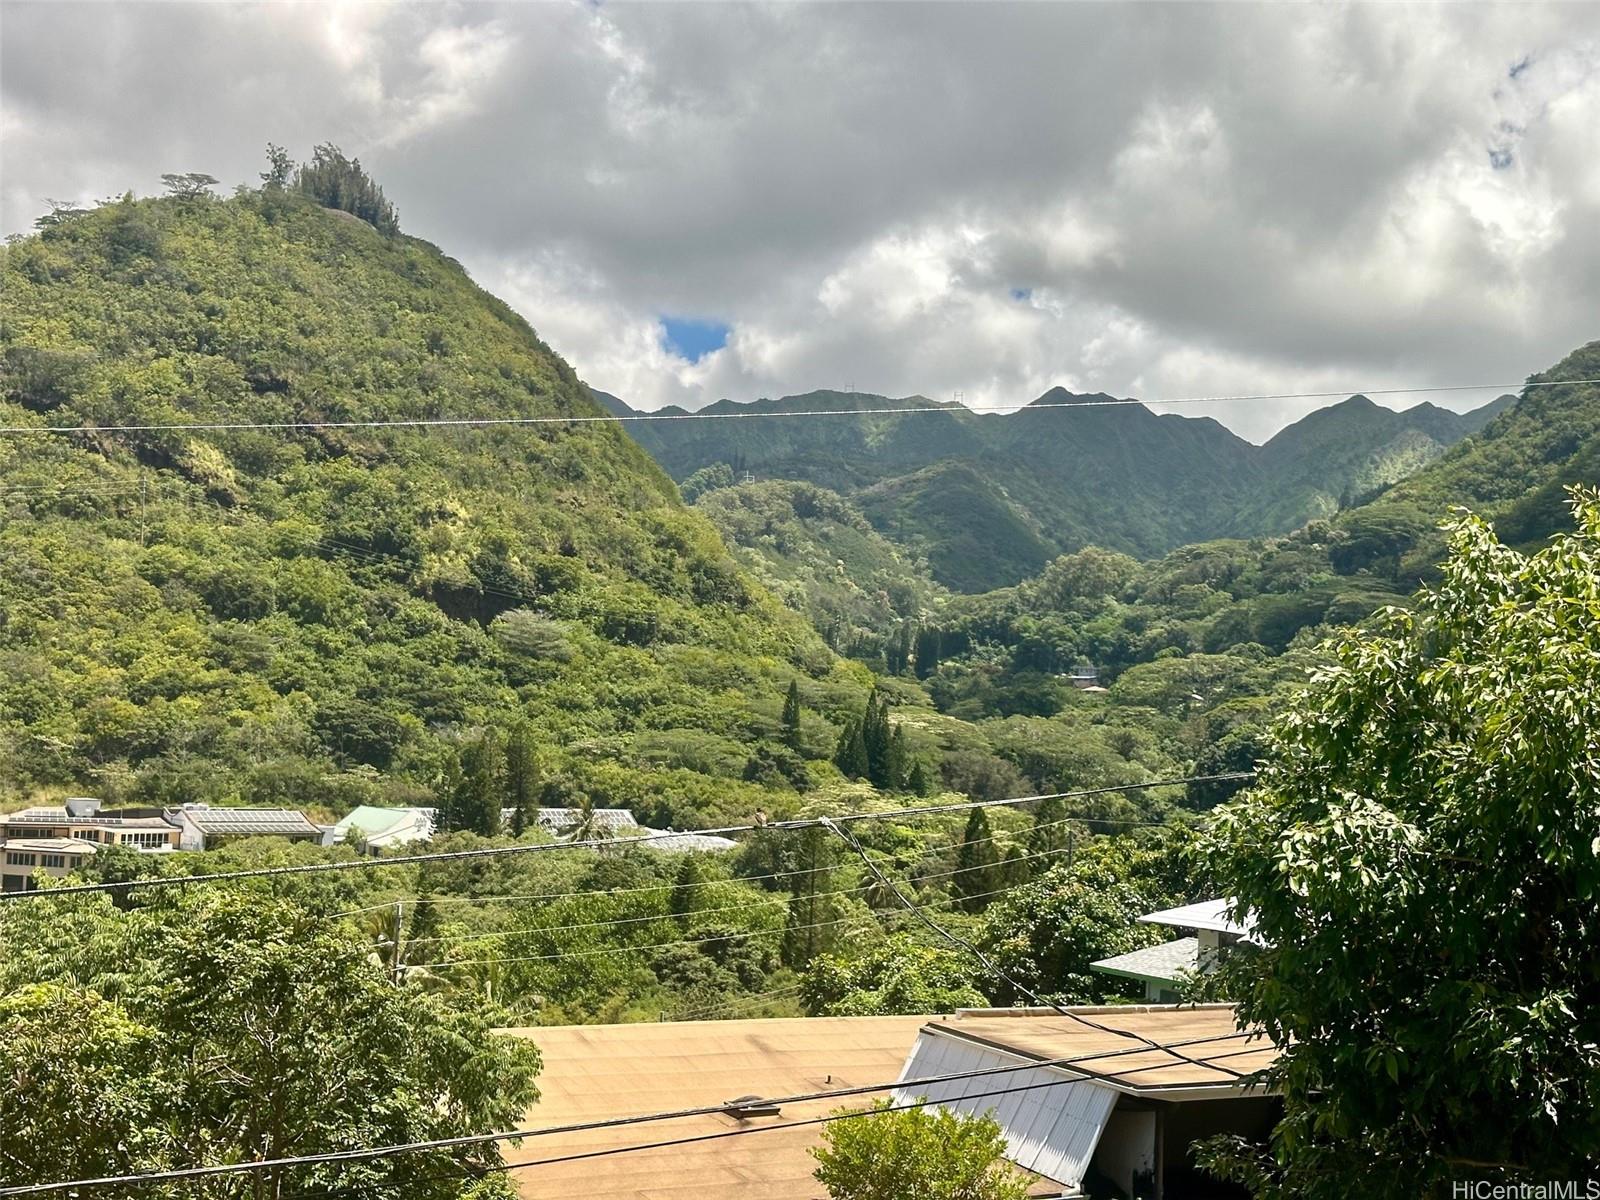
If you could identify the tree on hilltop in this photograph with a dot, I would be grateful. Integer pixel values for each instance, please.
(334, 181)
(190, 185)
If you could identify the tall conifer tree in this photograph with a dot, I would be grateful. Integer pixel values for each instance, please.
(791, 716)
(978, 862)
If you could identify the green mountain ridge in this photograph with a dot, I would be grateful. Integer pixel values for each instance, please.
(322, 617)
(1337, 456)
(1070, 472)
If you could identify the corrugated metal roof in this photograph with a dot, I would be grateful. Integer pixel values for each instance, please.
(1165, 962)
(1051, 1129)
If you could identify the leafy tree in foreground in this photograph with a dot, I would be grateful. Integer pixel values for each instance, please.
(917, 1154)
(1422, 858)
(231, 1025)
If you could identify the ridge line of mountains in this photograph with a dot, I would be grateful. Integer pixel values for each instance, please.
(988, 499)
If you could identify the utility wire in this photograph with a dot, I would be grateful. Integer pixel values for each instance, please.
(706, 912)
(512, 897)
(602, 951)
(761, 414)
(399, 860)
(988, 963)
(1074, 1063)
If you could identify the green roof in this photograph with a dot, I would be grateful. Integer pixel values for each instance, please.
(372, 820)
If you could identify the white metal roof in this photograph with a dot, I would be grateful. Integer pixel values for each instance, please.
(1207, 914)
(1051, 1129)
(563, 818)
(671, 842)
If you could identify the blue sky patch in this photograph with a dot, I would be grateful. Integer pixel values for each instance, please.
(693, 339)
(1500, 157)
(1022, 294)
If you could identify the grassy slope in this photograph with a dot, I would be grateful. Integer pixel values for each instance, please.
(311, 617)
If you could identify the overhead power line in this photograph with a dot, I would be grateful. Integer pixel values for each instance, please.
(400, 860)
(609, 893)
(758, 414)
(746, 906)
(738, 935)
(1074, 1063)
(988, 963)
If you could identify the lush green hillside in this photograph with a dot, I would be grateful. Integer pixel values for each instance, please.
(988, 499)
(815, 550)
(971, 533)
(322, 616)
(1516, 470)
(1212, 631)
(1120, 477)
(1340, 455)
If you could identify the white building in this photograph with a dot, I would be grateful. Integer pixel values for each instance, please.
(1162, 969)
(202, 827)
(380, 828)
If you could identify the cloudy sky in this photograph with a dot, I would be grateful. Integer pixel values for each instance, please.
(692, 201)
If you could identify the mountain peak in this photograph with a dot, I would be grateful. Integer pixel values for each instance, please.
(1060, 395)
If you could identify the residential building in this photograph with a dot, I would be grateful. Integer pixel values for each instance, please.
(81, 818)
(23, 859)
(1162, 969)
(202, 827)
(1122, 1118)
(380, 828)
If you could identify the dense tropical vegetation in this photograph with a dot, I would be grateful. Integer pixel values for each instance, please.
(220, 587)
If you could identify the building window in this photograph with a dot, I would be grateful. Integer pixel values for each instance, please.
(53, 860)
(15, 859)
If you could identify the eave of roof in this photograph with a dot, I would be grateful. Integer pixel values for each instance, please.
(1205, 914)
(1043, 1035)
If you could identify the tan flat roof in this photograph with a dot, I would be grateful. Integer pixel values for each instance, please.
(597, 1071)
(1041, 1034)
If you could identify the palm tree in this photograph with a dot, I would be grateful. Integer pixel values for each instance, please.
(588, 826)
